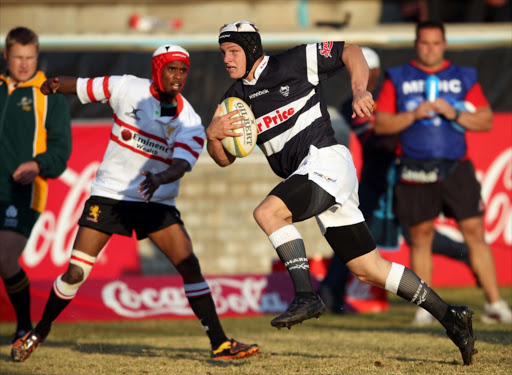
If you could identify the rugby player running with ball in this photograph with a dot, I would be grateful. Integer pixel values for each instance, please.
(319, 175)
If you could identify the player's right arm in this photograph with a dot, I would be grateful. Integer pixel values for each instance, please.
(221, 127)
(61, 85)
(357, 68)
(88, 90)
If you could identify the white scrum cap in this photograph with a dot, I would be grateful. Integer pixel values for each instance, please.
(246, 35)
(371, 57)
(239, 26)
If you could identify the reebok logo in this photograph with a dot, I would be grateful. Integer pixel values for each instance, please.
(258, 93)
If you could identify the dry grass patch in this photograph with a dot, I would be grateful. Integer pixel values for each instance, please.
(384, 343)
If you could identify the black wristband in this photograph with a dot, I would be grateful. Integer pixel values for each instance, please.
(457, 115)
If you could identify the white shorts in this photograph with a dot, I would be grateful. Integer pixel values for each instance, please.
(332, 168)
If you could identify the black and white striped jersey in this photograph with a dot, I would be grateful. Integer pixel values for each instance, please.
(287, 101)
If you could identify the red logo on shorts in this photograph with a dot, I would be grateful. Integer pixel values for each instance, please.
(325, 49)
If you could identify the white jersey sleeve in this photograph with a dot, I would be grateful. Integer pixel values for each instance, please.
(94, 90)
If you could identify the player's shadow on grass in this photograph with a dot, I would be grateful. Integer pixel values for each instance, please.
(171, 353)
(425, 360)
(488, 334)
(345, 357)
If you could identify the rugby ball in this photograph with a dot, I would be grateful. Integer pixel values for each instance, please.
(243, 145)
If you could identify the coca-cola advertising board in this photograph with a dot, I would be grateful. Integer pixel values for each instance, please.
(115, 290)
(147, 297)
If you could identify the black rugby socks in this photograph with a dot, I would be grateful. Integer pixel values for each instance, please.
(18, 290)
(53, 308)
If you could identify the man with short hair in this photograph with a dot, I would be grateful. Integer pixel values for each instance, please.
(319, 175)
(435, 174)
(35, 139)
(136, 188)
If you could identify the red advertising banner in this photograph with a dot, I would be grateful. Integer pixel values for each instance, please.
(115, 290)
(47, 253)
(49, 246)
(148, 297)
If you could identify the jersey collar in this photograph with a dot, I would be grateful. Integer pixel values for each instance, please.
(445, 65)
(179, 99)
(36, 81)
(260, 68)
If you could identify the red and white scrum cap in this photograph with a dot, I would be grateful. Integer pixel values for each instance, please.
(163, 56)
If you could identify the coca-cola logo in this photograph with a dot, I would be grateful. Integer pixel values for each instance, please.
(54, 234)
(231, 296)
(498, 211)
(496, 192)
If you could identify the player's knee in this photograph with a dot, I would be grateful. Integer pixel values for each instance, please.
(367, 272)
(264, 211)
(73, 275)
(360, 268)
(80, 267)
(270, 210)
(421, 232)
(9, 265)
(365, 278)
(189, 269)
(259, 215)
(472, 229)
(371, 268)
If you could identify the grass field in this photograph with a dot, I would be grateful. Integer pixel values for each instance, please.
(384, 343)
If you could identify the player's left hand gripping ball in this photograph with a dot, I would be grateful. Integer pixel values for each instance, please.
(243, 145)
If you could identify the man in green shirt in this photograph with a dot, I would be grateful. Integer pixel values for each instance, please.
(35, 139)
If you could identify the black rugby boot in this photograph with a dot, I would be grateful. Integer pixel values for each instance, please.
(300, 309)
(461, 333)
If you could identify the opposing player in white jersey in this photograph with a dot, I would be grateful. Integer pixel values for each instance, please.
(156, 138)
(295, 134)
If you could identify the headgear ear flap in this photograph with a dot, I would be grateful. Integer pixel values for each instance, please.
(246, 35)
(163, 56)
